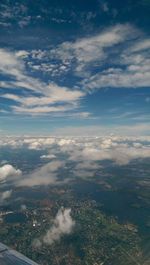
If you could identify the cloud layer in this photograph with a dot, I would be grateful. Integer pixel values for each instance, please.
(73, 157)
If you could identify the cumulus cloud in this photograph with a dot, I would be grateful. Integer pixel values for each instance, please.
(62, 225)
(7, 171)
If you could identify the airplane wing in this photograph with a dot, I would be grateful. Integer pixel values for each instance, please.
(12, 257)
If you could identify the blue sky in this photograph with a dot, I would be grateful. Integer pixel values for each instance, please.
(74, 67)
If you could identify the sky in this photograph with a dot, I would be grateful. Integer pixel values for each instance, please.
(78, 68)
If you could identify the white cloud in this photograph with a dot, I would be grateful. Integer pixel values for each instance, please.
(41, 110)
(132, 71)
(115, 78)
(84, 154)
(62, 142)
(123, 47)
(38, 143)
(141, 45)
(7, 171)
(49, 156)
(57, 94)
(108, 149)
(5, 195)
(90, 49)
(92, 53)
(35, 143)
(12, 64)
(22, 53)
(63, 225)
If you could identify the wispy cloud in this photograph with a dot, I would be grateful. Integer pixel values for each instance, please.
(122, 47)
(129, 69)
(92, 49)
(44, 96)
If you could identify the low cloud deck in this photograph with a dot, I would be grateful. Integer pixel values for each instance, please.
(12, 257)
